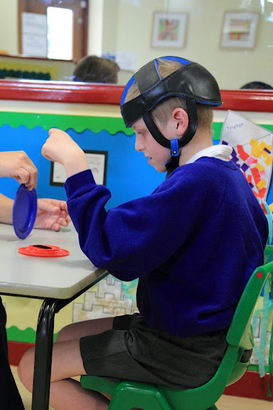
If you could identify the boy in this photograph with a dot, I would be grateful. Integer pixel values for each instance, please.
(51, 214)
(193, 243)
(94, 69)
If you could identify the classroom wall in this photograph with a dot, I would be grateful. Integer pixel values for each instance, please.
(24, 125)
(127, 26)
(133, 27)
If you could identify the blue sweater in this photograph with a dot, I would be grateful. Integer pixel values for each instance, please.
(193, 243)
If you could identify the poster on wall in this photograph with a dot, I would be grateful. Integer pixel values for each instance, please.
(169, 29)
(252, 151)
(97, 161)
(239, 30)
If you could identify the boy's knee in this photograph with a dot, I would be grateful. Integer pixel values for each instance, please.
(26, 368)
(63, 334)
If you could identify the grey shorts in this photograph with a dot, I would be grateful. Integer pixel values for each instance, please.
(133, 351)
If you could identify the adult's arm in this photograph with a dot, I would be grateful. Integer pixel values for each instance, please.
(5, 209)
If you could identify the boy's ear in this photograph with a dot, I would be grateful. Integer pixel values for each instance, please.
(181, 119)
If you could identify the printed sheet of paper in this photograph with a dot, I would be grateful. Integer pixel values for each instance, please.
(252, 151)
(34, 27)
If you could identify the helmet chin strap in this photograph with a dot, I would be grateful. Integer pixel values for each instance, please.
(172, 164)
(175, 144)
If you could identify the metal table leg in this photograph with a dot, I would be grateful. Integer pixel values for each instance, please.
(43, 353)
(44, 342)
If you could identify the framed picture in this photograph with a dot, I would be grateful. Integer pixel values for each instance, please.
(97, 161)
(169, 29)
(239, 29)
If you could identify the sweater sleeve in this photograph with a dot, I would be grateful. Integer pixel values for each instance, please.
(137, 236)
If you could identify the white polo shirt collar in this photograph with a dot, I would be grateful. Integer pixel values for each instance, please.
(219, 151)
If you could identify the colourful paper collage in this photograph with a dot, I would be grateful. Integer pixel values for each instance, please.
(252, 151)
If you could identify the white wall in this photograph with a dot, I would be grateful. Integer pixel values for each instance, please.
(95, 27)
(110, 22)
(129, 23)
(8, 26)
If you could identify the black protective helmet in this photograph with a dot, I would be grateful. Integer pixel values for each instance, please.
(192, 83)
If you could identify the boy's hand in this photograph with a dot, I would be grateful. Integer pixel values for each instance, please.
(51, 214)
(60, 147)
(18, 165)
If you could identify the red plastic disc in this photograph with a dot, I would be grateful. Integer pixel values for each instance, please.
(48, 251)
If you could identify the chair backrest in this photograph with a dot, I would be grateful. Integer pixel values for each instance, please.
(238, 339)
(248, 300)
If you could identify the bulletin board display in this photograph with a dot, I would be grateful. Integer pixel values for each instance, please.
(126, 171)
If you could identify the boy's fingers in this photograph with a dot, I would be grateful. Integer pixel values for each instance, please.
(45, 154)
(54, 131)
(50, 132)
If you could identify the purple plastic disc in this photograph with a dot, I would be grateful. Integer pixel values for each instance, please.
(24, 211)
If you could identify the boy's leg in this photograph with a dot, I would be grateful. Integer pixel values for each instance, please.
(84, 328)
(66, 393)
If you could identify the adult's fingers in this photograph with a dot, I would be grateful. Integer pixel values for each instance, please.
(27, 175)
(22, 176)
(32, 176)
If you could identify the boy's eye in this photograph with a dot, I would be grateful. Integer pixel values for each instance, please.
(141, 133)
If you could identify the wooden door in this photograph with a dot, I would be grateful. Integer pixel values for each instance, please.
(80, 20)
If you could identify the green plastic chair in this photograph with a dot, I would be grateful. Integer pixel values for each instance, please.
(128, 394)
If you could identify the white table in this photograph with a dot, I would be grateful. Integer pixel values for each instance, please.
(56, 280)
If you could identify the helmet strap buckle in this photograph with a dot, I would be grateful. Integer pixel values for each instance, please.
(174, 147)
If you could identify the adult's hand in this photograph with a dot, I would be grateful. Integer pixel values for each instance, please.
(51, 214)
(18, 165)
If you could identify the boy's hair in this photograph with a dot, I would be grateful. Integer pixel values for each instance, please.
(162, 111)
(95, 69)
(256, 85)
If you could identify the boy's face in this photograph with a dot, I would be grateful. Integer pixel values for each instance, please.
(156, 154)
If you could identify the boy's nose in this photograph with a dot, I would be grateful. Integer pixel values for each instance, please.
(139, 144)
